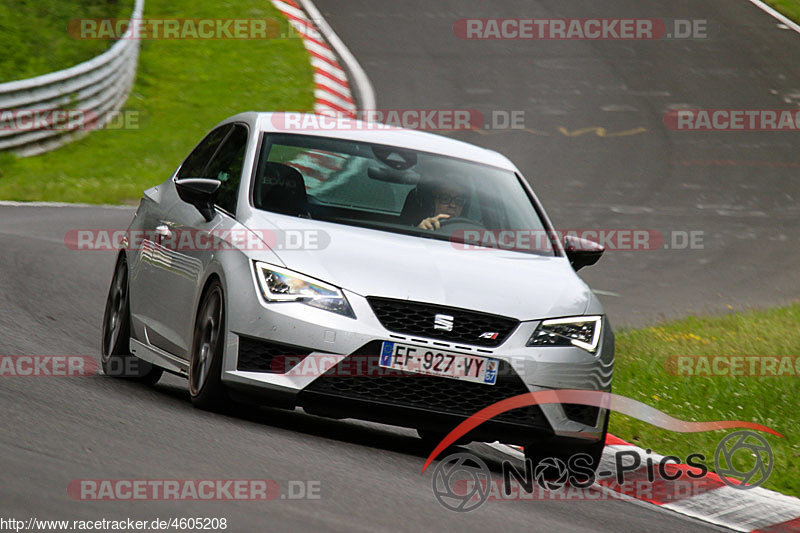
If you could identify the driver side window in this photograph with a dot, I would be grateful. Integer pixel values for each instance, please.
(220, 156)
(226, 166)
(196, 162)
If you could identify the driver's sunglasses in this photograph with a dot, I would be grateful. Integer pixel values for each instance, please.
(455, 199)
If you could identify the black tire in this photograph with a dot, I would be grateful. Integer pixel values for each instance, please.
(116, 358)
(565, 448)
(205, 363)
(431, 439)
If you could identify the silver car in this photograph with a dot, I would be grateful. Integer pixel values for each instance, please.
(360, 271)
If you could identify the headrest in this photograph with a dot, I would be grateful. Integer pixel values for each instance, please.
(281, 189)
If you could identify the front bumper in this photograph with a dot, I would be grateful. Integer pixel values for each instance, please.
(331, 339)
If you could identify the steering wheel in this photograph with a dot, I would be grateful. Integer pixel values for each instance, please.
(460, 221)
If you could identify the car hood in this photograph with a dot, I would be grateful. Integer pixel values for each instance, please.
(379, 263)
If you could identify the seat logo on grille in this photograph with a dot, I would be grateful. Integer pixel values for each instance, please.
(443, 322)
(492, 335)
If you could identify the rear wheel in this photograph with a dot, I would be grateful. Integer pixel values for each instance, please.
(205, 365)
(116, 358)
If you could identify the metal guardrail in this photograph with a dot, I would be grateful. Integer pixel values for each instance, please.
(97, 88)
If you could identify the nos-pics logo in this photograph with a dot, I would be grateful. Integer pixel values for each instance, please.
(462, 481)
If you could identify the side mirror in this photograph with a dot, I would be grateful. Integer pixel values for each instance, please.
(200, 192)
(582, 252)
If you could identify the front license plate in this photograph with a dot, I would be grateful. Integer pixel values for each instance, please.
(438, 363)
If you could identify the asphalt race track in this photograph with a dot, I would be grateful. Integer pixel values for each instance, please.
(56, 430)
(51, 298)
(740, 189)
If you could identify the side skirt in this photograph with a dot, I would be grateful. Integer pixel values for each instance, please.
(158, 357)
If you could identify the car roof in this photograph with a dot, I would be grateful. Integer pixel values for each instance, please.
(356, 130)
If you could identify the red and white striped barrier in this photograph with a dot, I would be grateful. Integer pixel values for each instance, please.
(331, 86)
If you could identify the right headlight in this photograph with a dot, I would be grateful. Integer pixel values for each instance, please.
(580, 331)
(279, 284)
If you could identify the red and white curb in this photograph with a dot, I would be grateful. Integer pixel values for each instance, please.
(331, 86)
(707, 499)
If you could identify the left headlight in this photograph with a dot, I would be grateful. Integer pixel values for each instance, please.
(281, 285)
(580, 331)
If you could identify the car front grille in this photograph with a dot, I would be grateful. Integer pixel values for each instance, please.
(417, 318)
(434, 393)
(257, 355)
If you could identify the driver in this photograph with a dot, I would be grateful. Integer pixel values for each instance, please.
(448, 202)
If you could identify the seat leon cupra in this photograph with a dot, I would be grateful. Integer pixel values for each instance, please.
(360, 271)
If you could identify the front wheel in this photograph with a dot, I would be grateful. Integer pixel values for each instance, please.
(567, 448)
(205, 365)
(116, 358)
(431, 439)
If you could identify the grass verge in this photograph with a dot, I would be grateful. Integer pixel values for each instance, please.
(641, 372)
(34, 39)
(183, 88)
(790, 8)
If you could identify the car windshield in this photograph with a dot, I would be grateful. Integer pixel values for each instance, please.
(397, 190)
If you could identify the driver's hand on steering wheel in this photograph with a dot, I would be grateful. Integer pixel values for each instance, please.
(432, 223)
